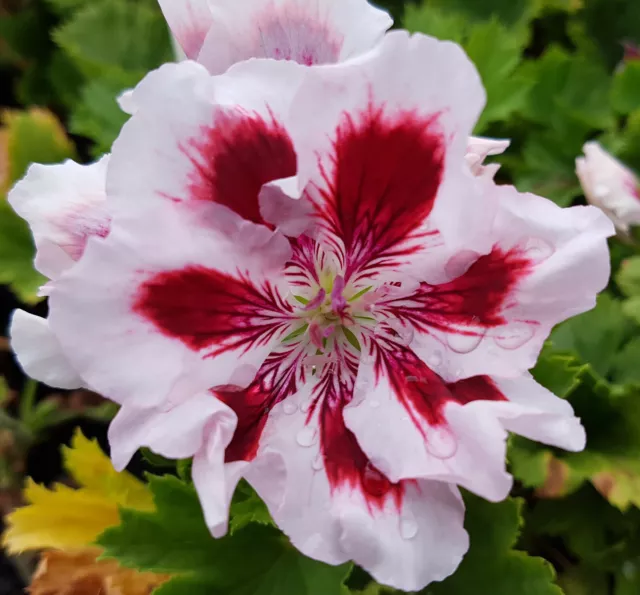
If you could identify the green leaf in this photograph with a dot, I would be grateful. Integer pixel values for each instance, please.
(625, 94)
(97, 115)
(256, 560)
(584, 580)
(110, 36)
(596, 335)
(34, 136)
(591, 529)
(246, 508)
(625, 366)
(628, 277)
(570, 94)
(16, 256)
(546, 166)
(495, 50)
(492, 566)
(631, 308)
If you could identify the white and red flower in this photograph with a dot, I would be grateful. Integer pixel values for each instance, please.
(64, 205)
(221, 33)
(310, 283)
(610, 185)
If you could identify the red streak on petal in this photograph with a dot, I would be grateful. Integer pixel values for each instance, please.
(203, 308)
(478, 298)
(422, 392)
(278, 378)
(384, 180)
(235, 157)
(346, 464)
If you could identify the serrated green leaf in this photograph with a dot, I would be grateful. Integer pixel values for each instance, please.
(256, 560)
(495, 50)
(246, 508)
(97, 115)
(546, 166)
(492, 566)
(570, 94)
(116, 36)
(595, 336)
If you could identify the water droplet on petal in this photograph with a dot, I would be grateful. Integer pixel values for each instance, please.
(374, 404)
(318, 463)
(307, 437)
(464, 342)
(289, 408)
(441, 443)
(408, 527)
(538, 250)
(373, 481)
(435, 359)
(305, 406)
(514, 335)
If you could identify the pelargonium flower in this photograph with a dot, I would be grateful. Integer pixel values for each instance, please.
(64, 205)
(222, 33)
(305, 285)
(610, 185)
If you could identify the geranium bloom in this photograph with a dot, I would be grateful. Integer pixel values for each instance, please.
(610, 185)
(64, 205)
(304, 284)
(219, 34)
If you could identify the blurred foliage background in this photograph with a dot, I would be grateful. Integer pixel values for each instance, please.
(557, 73)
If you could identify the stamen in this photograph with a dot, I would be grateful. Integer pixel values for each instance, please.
(338, 301)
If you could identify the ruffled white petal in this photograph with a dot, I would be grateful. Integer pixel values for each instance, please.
(39, 353)
(64, 205)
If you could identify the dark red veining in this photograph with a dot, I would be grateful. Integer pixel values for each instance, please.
(290, 31)
(279, 377)
(345, 463)
(382, 183)
(421, 391)
(205, 308)
(235, 156)
(478, 298)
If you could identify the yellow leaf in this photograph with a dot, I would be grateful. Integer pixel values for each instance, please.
(66, 518)
(78, 573)
(92, 469)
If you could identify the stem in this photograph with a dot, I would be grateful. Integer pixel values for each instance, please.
(27, 401)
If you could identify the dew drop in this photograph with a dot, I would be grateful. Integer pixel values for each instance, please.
(289, 408)
(435, 359)
(514, 335)
(408, 528)
(307, 437)
(373, 481)
(318, 463)
(464, 343)
(537, 250)
(305, 406)
(441, 443)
